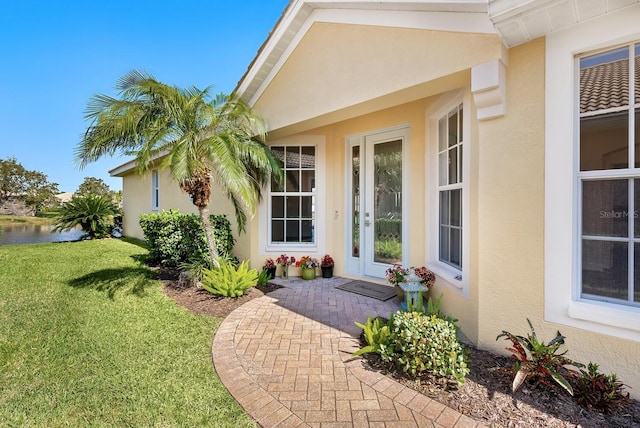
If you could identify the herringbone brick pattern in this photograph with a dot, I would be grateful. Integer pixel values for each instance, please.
(286, 358)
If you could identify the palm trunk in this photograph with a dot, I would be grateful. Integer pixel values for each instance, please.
(211, 241)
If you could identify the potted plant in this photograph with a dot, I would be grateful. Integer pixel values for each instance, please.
(285, 261)
(308, 266)
(396, 274)
(326, 265)
(270, 266)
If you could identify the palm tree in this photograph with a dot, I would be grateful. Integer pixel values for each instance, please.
(200, 139)
(95, 215)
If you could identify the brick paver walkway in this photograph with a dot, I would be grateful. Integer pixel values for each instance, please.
(287, 359)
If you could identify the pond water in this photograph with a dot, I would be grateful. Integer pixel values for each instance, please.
(35, 233)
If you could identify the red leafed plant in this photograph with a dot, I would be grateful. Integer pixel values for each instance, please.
(539, 361)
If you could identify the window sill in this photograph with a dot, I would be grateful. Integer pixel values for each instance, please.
(605, 314)
(448, 275)
(274, 248)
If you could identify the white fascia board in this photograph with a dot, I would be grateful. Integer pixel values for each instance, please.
(448, 15)
(121, 169)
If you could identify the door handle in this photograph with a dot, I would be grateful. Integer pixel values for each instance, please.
(367, 223)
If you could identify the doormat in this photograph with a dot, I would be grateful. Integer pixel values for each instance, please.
(369, 289)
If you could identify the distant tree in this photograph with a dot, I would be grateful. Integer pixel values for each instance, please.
(12, 178)
(93, 186)
(94, 214)
(202, 140)
(39, 193)
(33, 186)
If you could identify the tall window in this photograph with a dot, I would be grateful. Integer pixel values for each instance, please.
(292, 208)
(155, 190)
(450, 187)
(609, 176)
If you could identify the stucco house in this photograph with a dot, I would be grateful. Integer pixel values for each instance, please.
(493, 141)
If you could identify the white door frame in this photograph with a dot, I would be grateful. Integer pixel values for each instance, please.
(359, 265)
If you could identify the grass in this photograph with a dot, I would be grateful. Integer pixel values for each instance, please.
(88, 338)
(8, 220)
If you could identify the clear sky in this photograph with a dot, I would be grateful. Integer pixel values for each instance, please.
(55, 54)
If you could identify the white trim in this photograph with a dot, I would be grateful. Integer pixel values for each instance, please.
(446, 273)
(562, 243)
(317, 247)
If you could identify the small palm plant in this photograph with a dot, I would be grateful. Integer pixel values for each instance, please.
(536, 360)
(94, 214)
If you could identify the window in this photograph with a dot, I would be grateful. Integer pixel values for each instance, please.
(155, 190)
(450, 139)
(582, 245)
(292, 205)
(609, 176)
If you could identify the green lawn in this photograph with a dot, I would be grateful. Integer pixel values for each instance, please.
(87, 338)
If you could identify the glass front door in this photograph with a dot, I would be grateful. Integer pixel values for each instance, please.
(379, 217)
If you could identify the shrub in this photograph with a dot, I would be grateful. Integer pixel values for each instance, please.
(419, 343)
(229, 281)
(94, 214)
(599, 391)
(376, 334)
(175, 238)
(539, 361)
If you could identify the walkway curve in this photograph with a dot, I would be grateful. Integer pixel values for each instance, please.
(287, 359)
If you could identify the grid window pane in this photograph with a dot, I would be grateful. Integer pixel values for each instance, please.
(444, 243)
(442, 135)
(605, 269)
(604, 208)
(604, 141)
(277, 230)
(277, 207)
(604, 80)
(456, 207)
(293, 207)
(293, 231)
(308, 180)
(453, 129)
(455, 250)
(307, 206)
(442, 168)
(453, 165)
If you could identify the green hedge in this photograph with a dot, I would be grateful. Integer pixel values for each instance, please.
(174, 237)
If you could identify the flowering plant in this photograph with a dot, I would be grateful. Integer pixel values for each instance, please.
(396, 274)
(269, 264)
(284, 260)
(306, 262)
(327, 260)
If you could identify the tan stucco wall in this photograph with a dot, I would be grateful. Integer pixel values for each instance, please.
(136, 195)
(511, 202)
(326, 73)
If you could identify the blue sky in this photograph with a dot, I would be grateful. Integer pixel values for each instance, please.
(55, 54)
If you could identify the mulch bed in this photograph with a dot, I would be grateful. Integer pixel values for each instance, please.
(486, 395)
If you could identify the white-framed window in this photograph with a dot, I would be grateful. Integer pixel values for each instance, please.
(292, 205)
(450, 175)
(155, 190)
(609, 176)
(448, 195)
(590, 175)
